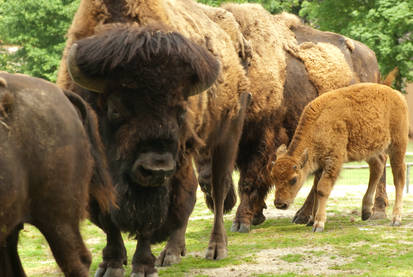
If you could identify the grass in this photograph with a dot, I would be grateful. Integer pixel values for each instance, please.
(347, 247)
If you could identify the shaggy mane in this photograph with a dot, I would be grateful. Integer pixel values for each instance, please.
(138, 50)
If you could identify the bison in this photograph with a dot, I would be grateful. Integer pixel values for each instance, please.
(152, 120)
(174, 78)
(309, 63)
(51, 168)
(360, 122)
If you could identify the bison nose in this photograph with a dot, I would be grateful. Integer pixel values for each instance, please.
(152, 168)
(281, 205)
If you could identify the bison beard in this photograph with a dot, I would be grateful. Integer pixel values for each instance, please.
(140, 208)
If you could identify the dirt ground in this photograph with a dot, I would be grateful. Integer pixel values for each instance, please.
(310, 261)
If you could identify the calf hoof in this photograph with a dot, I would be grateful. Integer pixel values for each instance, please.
(109, 272)
(258, 218)
(378, 215)
(318, 227)
(397, 221)
(240, 227)
(365, 215)
(301, 218)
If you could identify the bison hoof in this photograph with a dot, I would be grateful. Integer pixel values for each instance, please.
(365, 215)
(141, 274)
(240, 227)
(301, 218)
(109, 272)
(378, 215)
(258, 219)
(216, 252)
(169, 257)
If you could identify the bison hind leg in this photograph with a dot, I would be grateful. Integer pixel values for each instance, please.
(10, 264)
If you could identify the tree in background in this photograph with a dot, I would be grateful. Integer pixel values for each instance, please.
(386, 26)
(39, 27)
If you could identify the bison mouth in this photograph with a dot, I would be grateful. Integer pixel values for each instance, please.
(148, 178)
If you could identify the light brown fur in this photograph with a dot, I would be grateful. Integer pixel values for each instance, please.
(359, 122)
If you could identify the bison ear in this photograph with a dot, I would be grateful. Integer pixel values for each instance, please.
(304, 158)
(80, 77)
(281, 150)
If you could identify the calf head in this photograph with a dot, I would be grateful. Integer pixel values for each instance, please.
(288, 176)
(144, 77)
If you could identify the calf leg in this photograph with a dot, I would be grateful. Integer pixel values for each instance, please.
(303, 215)
(399, 176)
(67, 247)
(223, 158)
(380, 201)
(376, 165)
(324, 187)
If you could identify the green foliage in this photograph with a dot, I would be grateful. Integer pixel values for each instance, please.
(39, 27)
(386, 26)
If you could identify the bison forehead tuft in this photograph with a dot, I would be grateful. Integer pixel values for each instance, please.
(283, 169)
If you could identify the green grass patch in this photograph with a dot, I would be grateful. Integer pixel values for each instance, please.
(347, 247)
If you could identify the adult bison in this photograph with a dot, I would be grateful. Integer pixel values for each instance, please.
(309, 63)
(47, 160)
(154, 118)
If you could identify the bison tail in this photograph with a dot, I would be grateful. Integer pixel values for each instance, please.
(101, 188)
(388, 81)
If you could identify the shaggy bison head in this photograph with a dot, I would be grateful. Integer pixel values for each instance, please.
(143, 77)
(288, 176)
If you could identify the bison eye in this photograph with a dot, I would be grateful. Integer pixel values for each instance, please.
(293, 181)
(113, 113)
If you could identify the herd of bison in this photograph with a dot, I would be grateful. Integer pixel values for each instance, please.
(156, 97)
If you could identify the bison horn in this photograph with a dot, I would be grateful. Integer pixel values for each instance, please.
(86, 82)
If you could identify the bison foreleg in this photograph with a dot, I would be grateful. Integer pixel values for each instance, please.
(223, 159)
(143, 262)
(114, 254)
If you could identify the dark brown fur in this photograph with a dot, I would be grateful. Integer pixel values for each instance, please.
(46, 167)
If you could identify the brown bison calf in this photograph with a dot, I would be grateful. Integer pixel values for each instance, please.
(46, 165)
(359, 122)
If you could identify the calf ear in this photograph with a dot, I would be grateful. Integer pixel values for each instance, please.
(304, 158)
(281, 150)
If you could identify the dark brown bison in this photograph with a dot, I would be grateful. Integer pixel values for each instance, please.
(152, 125)
(46, 166)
